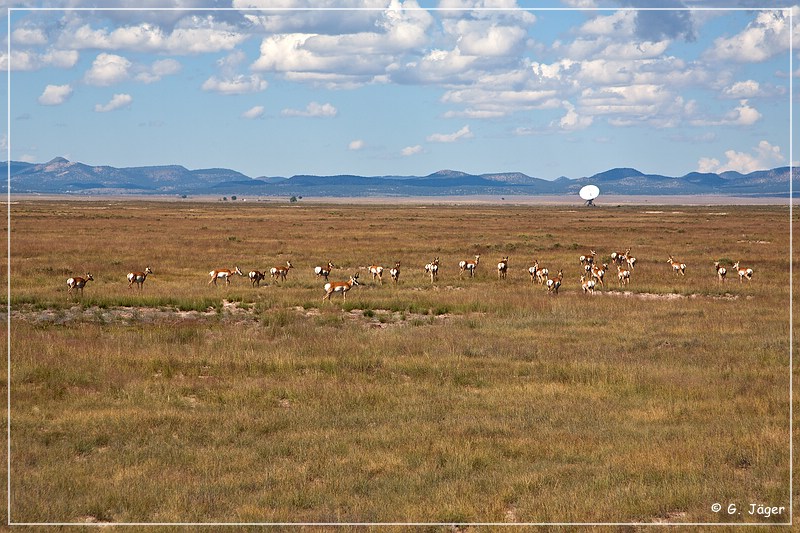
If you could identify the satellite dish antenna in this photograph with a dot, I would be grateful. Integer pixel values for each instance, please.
(589, 193)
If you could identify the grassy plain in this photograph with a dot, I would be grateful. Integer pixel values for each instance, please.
(467, 400)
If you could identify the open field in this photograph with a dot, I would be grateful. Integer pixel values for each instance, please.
(466, 400)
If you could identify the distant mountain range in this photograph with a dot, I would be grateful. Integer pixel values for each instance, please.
(60, 176)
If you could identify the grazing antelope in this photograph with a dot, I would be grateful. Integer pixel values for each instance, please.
(721, 271)
(502, 268)
(743, 272)
(624, 276)
(534, 270)
(280, 272)
(587, 285)
(223, 273)
(138, 277)
(589, 258)
(340, 286)
(677, 266)
(554, 283)
(618, 257)
(432, 268)
(255, 277)
(78, 283)
(469, 265)
(598, 273)
(395, 272)
(377, 272)
(324, 271)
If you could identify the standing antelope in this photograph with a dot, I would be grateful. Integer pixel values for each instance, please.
(618, 257)
(255, 277)
(589, 258)
(721, 271)
(598, 273)
(340, 286)
(138, 277)
(469, 265)
(223, 273)
(554, 283)
(395, 272)
(624, 276)
(628, 259)
(534, 270)
(324, 271)
(502, 268)
(377, 272)
(78, 283)
(432, 268)
(743, 272)
(677, 266)
(280, 271)
(541, 275)
(587, 285)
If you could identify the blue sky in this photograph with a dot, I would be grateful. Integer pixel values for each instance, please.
(403, 89)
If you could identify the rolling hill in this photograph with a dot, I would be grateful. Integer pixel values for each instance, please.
(60, 176)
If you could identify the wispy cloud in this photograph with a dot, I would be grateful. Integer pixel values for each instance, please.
(254, 112)
(463, 133)
(355, 145)
(411, 150)
(313, 109)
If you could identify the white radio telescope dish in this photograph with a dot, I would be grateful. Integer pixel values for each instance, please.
(589, 192)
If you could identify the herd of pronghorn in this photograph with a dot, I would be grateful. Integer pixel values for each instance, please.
(592, 276)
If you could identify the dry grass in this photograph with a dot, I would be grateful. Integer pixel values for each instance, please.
(470, 400)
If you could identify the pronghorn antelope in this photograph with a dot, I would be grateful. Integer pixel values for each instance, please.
(554, 283)
(502, 268)
(677, 266)
(624, 276)
(587, 285)
(743, 272)
(324, 271)
(432, 268)
(255, 277)
(598, 273)
(589, 258)
(138, 277)
(534, 270)
(340, 286)
(628, 259)
(280, 271)
(395, 272)
(721, 271)
(541, 275)
(223, 273)
(78, 283)
(377, 272)
(469, 265)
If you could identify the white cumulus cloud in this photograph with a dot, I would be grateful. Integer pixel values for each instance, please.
(117, 101)
(240, 84)
(108, 69)
(762, 157)
(55, 94)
